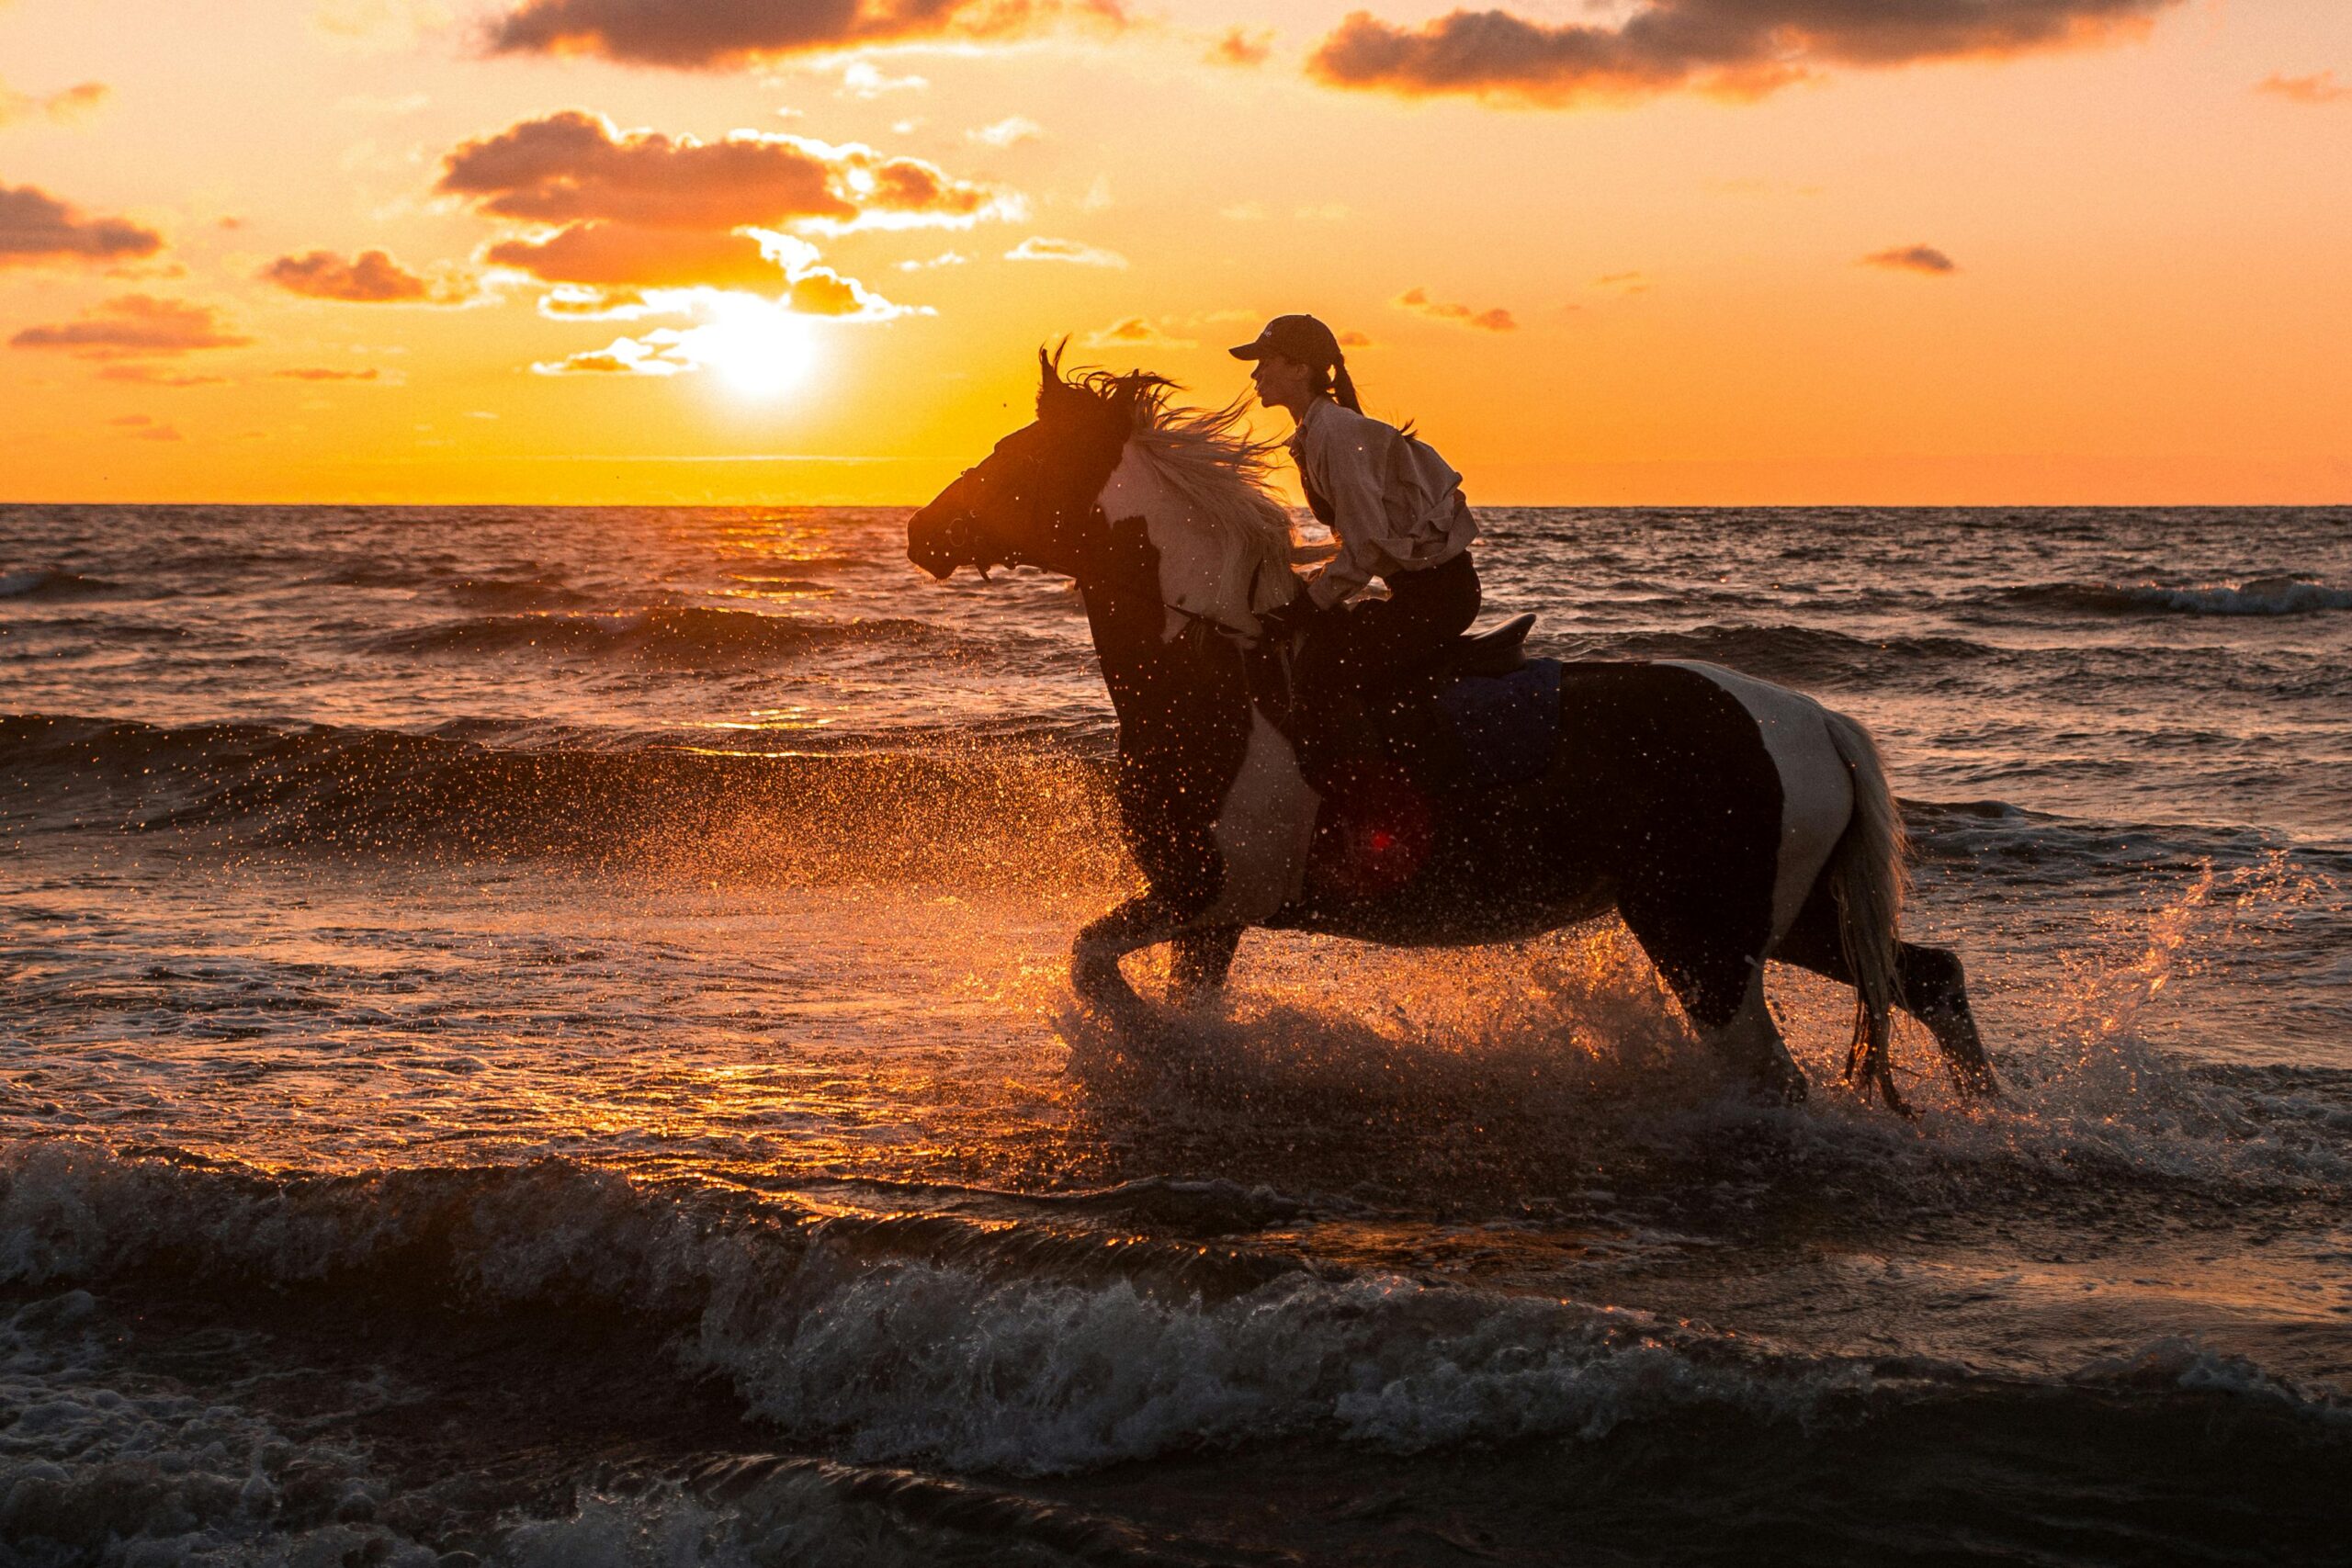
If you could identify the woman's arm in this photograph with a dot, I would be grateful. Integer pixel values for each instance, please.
(1345, 456)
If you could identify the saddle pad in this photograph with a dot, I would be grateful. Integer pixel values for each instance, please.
(1507, 723)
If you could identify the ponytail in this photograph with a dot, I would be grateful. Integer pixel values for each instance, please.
(1343, 386)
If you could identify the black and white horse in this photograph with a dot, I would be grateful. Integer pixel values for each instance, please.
(1726, 819)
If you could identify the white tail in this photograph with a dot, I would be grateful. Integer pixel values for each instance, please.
(1868, 879)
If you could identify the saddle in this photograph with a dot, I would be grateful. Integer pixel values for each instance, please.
(1478, 714)
(1480, 654)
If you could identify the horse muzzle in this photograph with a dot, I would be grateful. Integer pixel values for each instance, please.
(941, 541)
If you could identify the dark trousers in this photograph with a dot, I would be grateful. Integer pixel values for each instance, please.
(1367, 645)
(1362, 647)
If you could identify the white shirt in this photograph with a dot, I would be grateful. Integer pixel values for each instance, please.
(1395, 504)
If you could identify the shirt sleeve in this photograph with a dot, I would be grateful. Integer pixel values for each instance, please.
(1346, 460)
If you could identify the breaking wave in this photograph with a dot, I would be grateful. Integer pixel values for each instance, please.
(1024, 1351)
(2256, 596)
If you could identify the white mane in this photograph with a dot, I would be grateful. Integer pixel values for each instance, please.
(1221, 481)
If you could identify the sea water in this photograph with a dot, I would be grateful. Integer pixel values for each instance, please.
(543, 1036)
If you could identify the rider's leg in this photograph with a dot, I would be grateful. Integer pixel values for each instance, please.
(1425, 610)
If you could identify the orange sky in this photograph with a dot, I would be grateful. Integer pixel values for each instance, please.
(785, 251)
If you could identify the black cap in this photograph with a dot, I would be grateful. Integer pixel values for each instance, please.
(1302, 338)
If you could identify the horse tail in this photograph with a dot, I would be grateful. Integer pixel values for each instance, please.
(1868, 880)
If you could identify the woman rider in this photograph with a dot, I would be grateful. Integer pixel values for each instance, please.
(1398, 512)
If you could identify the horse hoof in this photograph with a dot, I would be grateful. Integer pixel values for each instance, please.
(1777, 1086)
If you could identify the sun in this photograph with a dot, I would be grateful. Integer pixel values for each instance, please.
(756, 347)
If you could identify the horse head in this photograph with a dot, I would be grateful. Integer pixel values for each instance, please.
(1033, 501)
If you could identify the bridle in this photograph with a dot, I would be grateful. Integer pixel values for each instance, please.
(963, 537)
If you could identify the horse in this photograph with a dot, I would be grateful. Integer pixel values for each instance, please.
(1727, 820)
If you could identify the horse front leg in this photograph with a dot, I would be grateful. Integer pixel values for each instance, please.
(1204, 958)
(1094, 973)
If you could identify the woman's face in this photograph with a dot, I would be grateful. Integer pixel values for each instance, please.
(1280, 383)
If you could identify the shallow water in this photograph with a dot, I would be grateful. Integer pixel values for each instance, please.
(545, 1034)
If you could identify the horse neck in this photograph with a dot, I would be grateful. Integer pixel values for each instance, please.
(1175, 681)
(1198, 575)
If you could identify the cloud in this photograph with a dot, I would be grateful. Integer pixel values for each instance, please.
(620, 270)
(616, 214)
(625, 357)
(75, 103)
(2323, 88)
(1624, 282)
(1136, 331)
(945, 258)
(1912, 258)
(615, 256)
(1008, 132)
(325, 373)
(1355, 340)
(707, 35)
(1733, 47)
(134, 326)
(760, 345)
(1242, 47)
(379, 25)
(371, 277)
(863, 80)
(139, 427)
(1038, 248)
(158, 376)
(576, 167)
(36, 227)
(1494, 319)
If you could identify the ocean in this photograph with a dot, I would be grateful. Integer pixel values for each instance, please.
(542, 1036)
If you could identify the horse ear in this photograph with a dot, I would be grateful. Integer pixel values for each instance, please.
(1049, 375)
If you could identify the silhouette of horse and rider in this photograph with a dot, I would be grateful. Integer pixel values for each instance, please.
(1295, 754)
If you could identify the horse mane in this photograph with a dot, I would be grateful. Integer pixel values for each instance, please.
(1223, 478)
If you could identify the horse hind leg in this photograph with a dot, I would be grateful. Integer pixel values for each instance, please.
(1935, 991)
(1933, 985)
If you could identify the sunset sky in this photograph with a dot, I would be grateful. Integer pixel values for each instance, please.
(802, 251)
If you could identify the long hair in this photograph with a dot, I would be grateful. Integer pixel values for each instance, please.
(1335, 381)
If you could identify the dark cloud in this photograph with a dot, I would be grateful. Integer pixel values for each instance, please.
(1912, 258)
(2323, 88)
(134, 326)
(575, 167)
(1742, 48)
(36, 227)
(702, 35)
(325, 373)
(1494, 319)
(371, 277)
